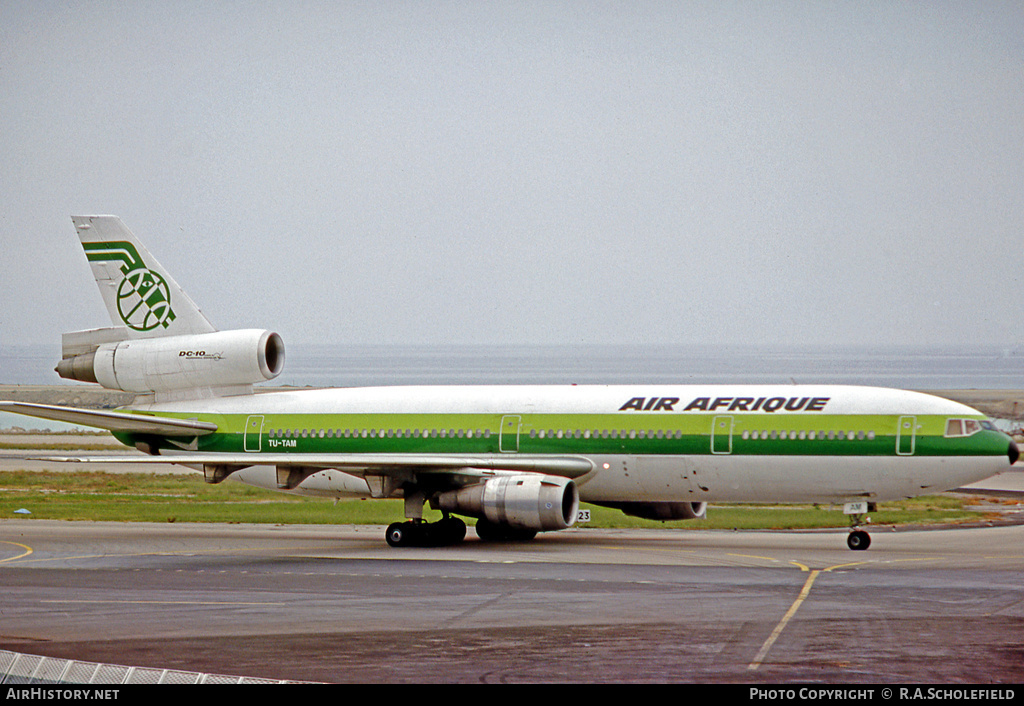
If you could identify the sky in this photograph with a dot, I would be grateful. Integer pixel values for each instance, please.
(783, 173)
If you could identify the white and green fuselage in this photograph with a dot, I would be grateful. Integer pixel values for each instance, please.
(657, 443)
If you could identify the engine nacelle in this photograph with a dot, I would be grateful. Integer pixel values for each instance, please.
(662, 511)
(169, 363)
(528, 501)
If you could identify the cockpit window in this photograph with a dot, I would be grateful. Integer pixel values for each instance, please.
(965, 427)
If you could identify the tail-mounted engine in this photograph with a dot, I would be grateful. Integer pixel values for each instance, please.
(171, 363)
(528, 501)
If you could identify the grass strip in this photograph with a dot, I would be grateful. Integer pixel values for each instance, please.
(139, 497)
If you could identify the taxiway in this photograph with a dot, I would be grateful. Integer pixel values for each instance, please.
(335, 604)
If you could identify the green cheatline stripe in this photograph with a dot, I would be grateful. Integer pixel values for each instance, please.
(652, 434)
(685, 423)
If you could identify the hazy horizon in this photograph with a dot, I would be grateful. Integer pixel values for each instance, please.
(525, 172)
(326, 365)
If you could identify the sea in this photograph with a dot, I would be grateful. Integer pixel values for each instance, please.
(950, 367)
(324, 365)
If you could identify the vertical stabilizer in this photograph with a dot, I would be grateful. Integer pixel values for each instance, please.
(139, 294)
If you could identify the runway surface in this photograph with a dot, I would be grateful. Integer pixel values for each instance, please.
(335, 604)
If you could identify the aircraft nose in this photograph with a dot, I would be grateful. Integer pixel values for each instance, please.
(1014, 452)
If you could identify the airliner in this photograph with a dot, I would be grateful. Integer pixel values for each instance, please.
(517, 459)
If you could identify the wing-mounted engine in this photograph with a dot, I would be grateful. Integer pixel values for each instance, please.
(528, 501)
(169, 364)
(662, 511)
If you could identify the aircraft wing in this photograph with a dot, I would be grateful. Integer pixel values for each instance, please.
(357, 464)
(113, 421)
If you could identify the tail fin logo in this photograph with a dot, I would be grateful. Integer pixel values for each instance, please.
(143, 297)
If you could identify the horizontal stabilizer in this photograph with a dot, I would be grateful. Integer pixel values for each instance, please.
(112, 421)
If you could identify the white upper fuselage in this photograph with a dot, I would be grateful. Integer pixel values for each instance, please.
(821, 443)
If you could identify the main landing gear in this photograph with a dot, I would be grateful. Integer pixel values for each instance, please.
(417, 533)
(493, 532)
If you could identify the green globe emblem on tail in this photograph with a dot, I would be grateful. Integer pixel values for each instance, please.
(143, 297)
(144, 300)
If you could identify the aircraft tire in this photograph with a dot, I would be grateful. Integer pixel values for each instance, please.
(442, 533)
(858, 540)
(452, 530)
(436, 534)
(399, 534)
(493, 532)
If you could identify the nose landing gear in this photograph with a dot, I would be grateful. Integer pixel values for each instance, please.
(858, 540)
